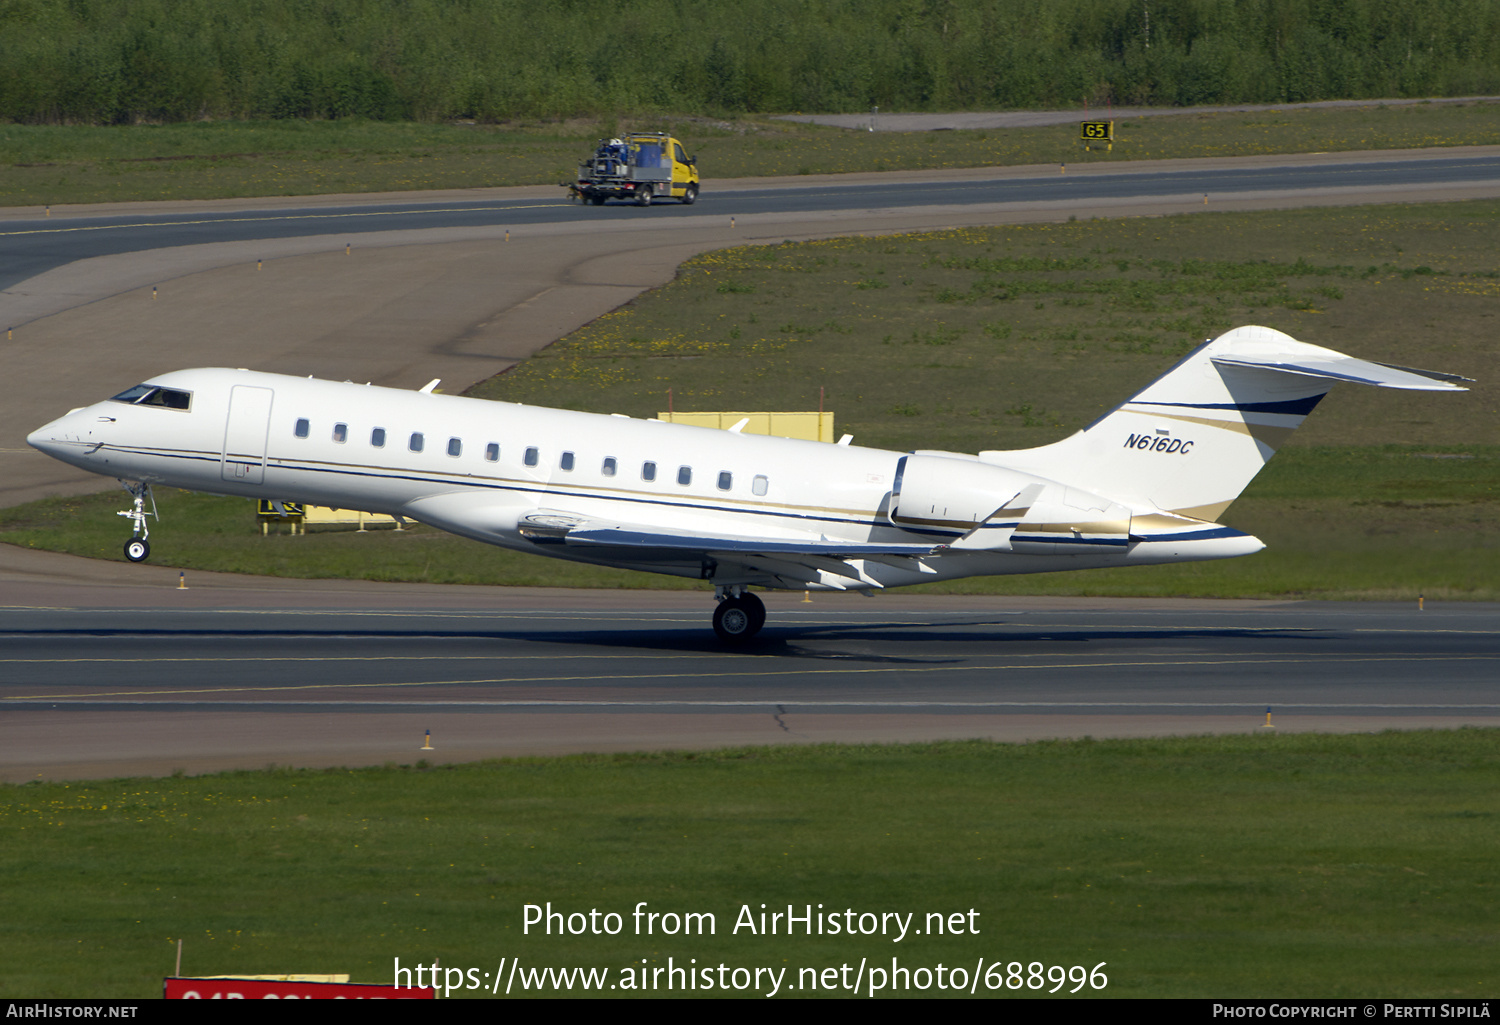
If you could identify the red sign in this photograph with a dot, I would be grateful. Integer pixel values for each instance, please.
(270, 989)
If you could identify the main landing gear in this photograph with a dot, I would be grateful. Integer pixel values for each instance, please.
(739, 616)
(138, 548)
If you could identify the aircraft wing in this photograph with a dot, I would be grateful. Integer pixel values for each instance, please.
(777, 561)
(623, 537)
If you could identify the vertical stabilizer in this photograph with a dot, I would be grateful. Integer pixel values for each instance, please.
(1192, 440)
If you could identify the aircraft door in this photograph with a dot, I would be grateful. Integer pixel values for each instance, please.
(245, 432)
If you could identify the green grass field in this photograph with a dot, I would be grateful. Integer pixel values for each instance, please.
(1014, 336)
(57, 164)
(1237, 866)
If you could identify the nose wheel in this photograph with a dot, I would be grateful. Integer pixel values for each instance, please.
(138, 548)
(739, 617)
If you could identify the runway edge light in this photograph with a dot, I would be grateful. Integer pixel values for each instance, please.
(427, 742)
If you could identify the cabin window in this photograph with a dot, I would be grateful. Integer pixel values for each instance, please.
(684, 475)
(609, 466)
(168, 398)
(302, 429)
(648, 471)
(492, 452)
(417, 441)
(726, 480)
(377, 438)
(759, 485)
(566, 462)
(151, 395)
(133, 395)
(340, 433)
(455, 447)
(532, 457)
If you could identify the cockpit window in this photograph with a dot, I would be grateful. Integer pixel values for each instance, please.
(152, 395)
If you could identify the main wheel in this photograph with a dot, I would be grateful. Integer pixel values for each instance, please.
(690, 195)
(738, 619)
(596, 200)
(643, 196)
(136, 549)
(757, 609)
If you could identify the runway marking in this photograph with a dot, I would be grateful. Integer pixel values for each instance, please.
(215, 660)
(933, 661)
(282, 217)
(866, 671)
(830, 618)
(793, 705)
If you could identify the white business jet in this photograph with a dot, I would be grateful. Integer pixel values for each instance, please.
(1142, 485)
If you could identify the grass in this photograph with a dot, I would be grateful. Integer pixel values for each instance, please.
(57, 164)
(1009, 338)
(1234, 866)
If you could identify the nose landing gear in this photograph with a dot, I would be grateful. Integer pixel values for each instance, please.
(138, 548)
(739, 615)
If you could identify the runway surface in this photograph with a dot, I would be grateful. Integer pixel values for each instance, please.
(114, 677)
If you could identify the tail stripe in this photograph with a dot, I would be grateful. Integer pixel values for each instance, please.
(1289, 407)
(1266, 434)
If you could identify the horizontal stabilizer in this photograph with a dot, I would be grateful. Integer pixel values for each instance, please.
(1345, 368)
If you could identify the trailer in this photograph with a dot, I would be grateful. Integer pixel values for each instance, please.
(641, 167)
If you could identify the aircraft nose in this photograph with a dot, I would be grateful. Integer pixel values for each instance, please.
(45, 438)
(56, 437)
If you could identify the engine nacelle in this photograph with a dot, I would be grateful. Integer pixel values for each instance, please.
(949, 492)
(996, 509)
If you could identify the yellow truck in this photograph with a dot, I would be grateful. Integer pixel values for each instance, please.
(641, 167)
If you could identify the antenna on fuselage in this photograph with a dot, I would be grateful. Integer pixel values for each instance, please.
(426, 389)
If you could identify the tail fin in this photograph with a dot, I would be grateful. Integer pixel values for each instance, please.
(1194, 438)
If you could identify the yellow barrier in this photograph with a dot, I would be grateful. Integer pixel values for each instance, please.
(322, 516)
(807, 426)
(299, 517)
